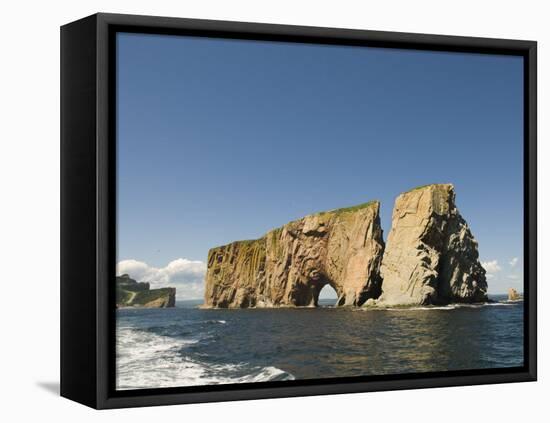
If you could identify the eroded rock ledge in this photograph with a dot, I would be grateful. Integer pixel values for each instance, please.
(431, 258)
(290, 265)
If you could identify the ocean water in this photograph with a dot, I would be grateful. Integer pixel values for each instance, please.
(185, 346)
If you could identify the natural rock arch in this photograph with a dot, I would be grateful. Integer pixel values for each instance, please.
(290, 265)
(307, 294)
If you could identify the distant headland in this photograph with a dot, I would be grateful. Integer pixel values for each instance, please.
(130, 293)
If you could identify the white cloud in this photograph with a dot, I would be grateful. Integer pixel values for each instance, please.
(514, 277)
(513, 262)
(136, 269)
(491, 267)
(186, 275)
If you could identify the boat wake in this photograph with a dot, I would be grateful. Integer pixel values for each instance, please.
(148, 360)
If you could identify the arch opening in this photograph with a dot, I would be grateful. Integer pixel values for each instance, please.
(327, 296)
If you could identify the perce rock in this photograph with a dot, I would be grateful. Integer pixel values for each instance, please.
(290, 265)
(431, 256)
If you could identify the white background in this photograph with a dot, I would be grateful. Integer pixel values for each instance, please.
(29, 231)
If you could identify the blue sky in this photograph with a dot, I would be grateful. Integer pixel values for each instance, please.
(221, 140)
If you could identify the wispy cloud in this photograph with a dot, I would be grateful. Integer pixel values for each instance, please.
(513, 262)
(491, 266)
(186, 275)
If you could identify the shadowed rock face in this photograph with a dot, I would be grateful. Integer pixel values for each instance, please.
(431, 256)
(290, 265)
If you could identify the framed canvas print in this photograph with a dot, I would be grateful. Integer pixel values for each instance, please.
(255, 211)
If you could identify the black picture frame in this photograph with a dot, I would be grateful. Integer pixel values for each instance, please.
(88, 214)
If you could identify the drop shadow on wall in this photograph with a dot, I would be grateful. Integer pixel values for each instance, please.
(51, 387)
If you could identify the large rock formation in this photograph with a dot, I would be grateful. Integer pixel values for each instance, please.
(130, 293)
(290, 265)
(431, 256)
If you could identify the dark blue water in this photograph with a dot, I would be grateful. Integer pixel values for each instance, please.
(188, 346)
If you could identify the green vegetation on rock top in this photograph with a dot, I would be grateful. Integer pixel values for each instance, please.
(423, 186)
(350, 209)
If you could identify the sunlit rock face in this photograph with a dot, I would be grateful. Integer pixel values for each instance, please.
(290, 265)
(431, 256)
(513, 295)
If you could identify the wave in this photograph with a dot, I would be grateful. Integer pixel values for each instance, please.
(269, 373)
(149, 360)
(453, 306)
(210, 322)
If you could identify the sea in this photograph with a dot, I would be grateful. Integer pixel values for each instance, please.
(189, 346)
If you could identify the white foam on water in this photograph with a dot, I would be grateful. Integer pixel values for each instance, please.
(147, 360)
(267, 373)
(222, 322)
(480, 305)
(447, 307)
(453, 306)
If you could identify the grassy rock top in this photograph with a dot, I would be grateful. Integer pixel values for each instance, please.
(421, 187)
(351, 208)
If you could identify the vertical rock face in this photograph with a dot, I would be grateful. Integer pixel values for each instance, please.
(290, 265)
(431, 256)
